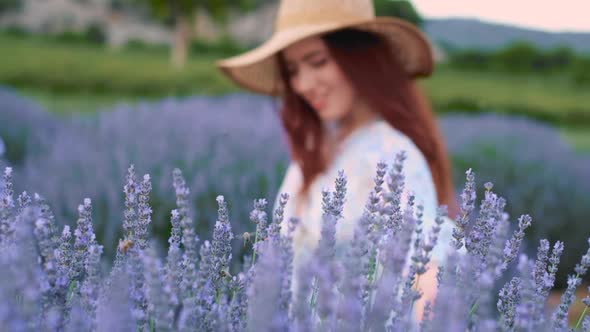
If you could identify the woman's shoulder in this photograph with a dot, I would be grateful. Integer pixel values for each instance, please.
(380, 141)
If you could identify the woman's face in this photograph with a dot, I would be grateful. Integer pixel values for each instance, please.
(315, 76)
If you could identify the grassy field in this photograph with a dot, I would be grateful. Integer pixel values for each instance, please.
(73, 78)
(551, 98)
(78, 69)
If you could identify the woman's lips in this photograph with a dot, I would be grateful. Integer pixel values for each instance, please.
(319, 104)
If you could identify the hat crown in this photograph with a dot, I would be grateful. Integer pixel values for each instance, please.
(293, 13)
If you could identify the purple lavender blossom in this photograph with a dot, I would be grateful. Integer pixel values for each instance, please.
(274, 229)
(302, 314)
(189, 239)
(173, 269)
(142, 293)
(221, 245)
(259, 218)
(339, 196)
(266, 289)
(23, 201)
(513, 245)
(115, 307)
(480, 237)
(84, 238)
(162, 300)
(90, 286)
(391, 199)
(134, 269)
(6, 206)
(239, 303)
(568, 297)
(130, 189)
(468, 197)
(327, 243)
(509, 297)
(144, 212)
(79, 319)
(64, 256)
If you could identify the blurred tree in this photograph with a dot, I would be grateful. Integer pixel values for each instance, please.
(9, 5)
(560, 57)
(398, 8)
(581, 71)
(181, 14)
(470, 59)
(520, 56)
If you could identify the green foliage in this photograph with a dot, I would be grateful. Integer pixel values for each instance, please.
(224, 45)
(581, 71)
(248, 5)
(169, 10)
(470, 59)
(398, 8)
(524, 58)
(94, 33)
(520, 56)
(10, 5)
(550, 98)
(15, 31)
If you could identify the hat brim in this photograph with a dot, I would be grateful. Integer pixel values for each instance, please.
(257, 70)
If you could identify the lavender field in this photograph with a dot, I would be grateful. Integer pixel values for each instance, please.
(231, 152)
(53, 280)
(234, 146)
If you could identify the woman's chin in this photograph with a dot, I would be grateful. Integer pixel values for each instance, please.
(328, 116)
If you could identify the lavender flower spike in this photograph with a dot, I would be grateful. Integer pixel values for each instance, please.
(144, 212)
(130, 189)
(6, 206)
(189, 239)
(393, 215)
(567, 299)
(84, 238)
(221, 244)
(468, 197)
(259, 218)
(513, 245)
(339, 196)
(274, 229)
(509, 297)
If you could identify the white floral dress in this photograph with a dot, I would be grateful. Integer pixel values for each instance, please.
(360, 153)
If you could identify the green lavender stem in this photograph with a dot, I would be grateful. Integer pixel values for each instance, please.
(255, 241)
(581, 317)
(474, 307)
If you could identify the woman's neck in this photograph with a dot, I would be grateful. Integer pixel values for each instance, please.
(338, 131)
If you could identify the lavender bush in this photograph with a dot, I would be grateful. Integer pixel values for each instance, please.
(535, 169)
(25, 127)
(206, 137)
(52, 279)
(88, 155)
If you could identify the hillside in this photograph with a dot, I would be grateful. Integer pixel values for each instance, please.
(471, 33)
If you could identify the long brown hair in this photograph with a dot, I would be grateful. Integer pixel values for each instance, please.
(378, 77)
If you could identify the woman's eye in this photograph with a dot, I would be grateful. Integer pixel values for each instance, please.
(320, 62)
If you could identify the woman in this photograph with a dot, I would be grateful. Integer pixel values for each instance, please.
(346, 79)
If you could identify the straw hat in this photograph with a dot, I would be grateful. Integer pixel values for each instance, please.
(257, 70)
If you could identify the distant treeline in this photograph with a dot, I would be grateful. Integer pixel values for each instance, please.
(523, 57)
(95, 34)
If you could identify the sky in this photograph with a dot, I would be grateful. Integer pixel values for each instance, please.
(549, 15)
